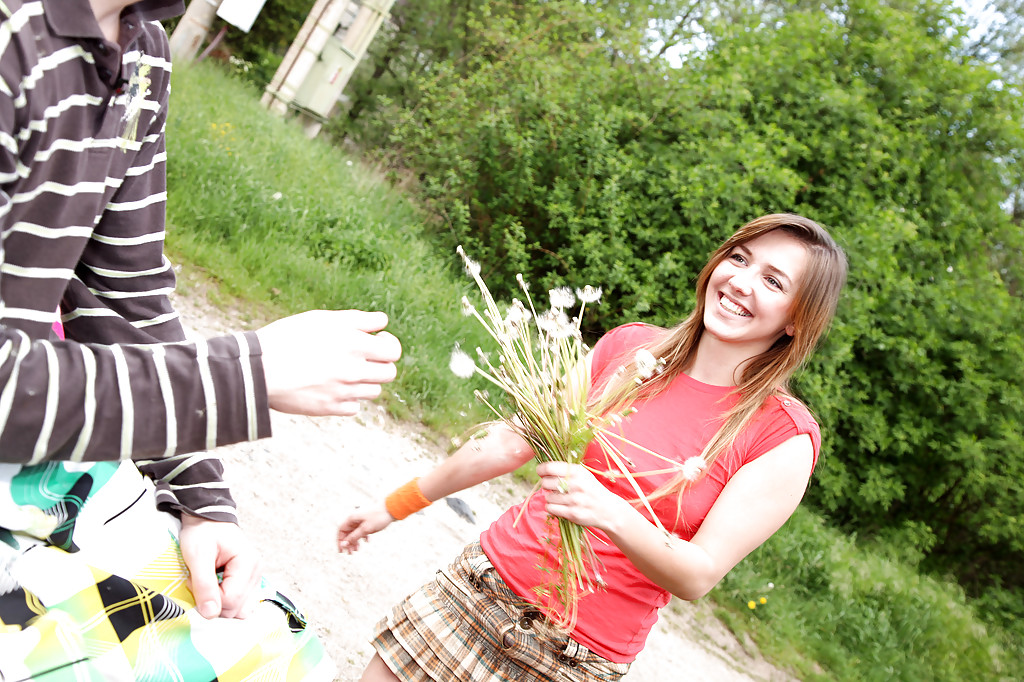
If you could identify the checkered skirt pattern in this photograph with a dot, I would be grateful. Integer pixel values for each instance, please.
(467, 625)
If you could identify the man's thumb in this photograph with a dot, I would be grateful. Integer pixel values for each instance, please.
(206, 591)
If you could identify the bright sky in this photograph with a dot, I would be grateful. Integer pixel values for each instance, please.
(980, 10)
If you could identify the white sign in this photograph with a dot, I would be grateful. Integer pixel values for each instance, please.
(240, 13)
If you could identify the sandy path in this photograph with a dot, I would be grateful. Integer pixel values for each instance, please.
(294, 488)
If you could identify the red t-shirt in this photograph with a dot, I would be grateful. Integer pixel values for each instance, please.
(615, 621)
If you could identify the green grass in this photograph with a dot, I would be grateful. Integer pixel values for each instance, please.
(284, 224)
(841, 611)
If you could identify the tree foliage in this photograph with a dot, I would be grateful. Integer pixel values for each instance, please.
(264, 46)
(555, 139)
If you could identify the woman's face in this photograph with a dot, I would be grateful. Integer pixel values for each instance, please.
(750, 294)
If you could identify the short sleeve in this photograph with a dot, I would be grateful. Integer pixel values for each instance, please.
(781, 419)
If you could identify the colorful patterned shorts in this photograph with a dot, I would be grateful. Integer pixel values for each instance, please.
(467, 625)
(105, 597)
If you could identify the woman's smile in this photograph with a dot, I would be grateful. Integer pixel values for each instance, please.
(732, 306)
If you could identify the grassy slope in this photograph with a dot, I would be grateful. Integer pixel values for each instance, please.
(286, 224)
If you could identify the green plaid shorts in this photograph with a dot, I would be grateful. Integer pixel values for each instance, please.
(93, 588)
(467, 625)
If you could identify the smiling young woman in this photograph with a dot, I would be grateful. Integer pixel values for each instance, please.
(720, 408)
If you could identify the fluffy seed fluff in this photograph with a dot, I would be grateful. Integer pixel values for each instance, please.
(461, 364)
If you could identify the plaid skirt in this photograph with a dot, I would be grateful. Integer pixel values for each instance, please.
(93, 588)
(467, 625)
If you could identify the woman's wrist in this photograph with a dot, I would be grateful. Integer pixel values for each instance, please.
(406, 500)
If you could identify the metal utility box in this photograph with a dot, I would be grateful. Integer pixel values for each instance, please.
(322, 87)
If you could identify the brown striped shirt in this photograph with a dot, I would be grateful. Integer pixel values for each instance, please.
(82, 201)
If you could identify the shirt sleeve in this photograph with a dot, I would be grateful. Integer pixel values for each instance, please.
(781, 419)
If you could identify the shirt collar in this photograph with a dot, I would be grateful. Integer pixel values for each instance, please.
(74, 18)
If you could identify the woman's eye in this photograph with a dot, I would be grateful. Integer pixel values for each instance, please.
(774, 282)
(737, 257)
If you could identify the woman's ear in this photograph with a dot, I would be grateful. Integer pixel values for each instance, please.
(790, 330)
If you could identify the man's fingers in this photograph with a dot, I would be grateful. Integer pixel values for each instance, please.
(237, 591)
(380, 349)
(363, 320)
(205, 588)
(349, 535)
(375, 373)
(386, 348)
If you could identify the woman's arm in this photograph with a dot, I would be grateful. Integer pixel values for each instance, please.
(752, 506)
(497, 451)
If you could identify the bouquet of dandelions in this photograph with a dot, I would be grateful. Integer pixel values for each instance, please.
(540, 367)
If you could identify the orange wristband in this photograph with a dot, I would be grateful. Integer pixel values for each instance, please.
(406, 500)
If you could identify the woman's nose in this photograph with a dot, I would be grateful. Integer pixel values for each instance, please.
(741, 282)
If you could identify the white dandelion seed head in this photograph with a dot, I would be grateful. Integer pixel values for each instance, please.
(552, 321)
(645, 363)
(561, 297)
(467, 307)
(564, 331)
(555, 325)
(693, 467)
(589, 294)
(276, 196)
(517, 314)
(472, 267)
(461, 364)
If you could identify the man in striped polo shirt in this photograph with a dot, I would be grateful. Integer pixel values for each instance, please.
(103, 437)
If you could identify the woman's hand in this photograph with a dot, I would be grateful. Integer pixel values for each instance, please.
(360, 525)
(574, 494)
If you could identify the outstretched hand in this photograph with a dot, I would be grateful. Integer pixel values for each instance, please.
(360, 525)
(323, 362)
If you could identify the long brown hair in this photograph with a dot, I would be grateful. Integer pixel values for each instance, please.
(767, 374)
